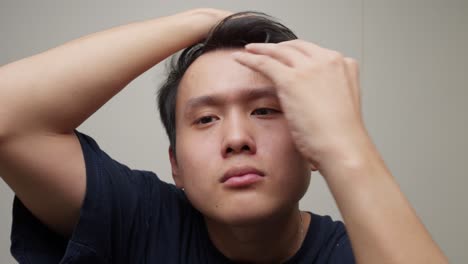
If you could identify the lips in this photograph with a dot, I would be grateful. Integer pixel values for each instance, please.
(240, 171)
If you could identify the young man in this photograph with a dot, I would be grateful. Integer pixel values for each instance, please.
(246, 125)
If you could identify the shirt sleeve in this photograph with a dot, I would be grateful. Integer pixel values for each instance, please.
(115, 210)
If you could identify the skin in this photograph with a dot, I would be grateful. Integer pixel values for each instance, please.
(241, 131)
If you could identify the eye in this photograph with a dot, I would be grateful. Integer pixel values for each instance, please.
(264, 111)
(205, 120)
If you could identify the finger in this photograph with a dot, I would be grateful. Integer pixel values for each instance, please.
(352, 73)
(285, 54)
(270, 67)
(307, 48)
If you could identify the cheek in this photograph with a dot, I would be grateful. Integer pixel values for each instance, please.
(199, 169)
(193, 153)
(275, 139)
(285, 161)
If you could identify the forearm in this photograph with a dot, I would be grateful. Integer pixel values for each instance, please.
(320, 97)
(55, 91)
(382, 225)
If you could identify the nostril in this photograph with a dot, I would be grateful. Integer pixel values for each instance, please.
(244, 148)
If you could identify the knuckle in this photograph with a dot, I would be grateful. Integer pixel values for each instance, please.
(336, 57)
(300, 41)
(304, 73)
(353, 64)
(312, 66)
(351, 61)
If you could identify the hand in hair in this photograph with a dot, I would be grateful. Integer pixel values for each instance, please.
(319, 93)
(320, 97)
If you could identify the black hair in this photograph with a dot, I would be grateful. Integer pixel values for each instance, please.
(235, 31)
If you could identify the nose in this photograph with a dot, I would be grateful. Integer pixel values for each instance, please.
(237, 136)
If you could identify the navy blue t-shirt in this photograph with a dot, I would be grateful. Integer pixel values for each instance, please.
(131, 216)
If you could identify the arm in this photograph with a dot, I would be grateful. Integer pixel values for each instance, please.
(320, 96)
(46, 96)
(55, 91)
(382, 225)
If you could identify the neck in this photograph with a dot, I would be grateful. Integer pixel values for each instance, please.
(274, 239)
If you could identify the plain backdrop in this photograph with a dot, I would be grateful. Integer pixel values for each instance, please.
(413, 61)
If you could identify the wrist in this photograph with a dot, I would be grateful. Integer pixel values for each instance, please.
(201, 20)
(348, 156)
(178, 31)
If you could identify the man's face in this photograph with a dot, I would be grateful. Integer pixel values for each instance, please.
(228, 116)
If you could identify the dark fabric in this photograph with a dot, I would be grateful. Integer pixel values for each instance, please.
(131, 216)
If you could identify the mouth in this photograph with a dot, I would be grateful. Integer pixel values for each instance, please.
(241, 176)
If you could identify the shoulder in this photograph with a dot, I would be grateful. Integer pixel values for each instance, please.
(120, 207)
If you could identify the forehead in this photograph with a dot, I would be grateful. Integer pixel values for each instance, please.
(217, 73)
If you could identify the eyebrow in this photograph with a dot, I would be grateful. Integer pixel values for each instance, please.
(217, 100)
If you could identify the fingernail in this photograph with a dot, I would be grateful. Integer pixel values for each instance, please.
(250, 45)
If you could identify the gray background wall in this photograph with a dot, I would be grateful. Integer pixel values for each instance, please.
(413, 61)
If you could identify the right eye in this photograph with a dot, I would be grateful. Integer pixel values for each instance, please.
(204, 120)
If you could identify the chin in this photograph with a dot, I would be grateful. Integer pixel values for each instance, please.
(246, 215)
(245, 208)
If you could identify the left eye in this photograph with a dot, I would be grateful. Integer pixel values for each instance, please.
(264, 111)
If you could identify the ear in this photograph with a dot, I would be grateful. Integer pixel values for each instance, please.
(175, 169)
